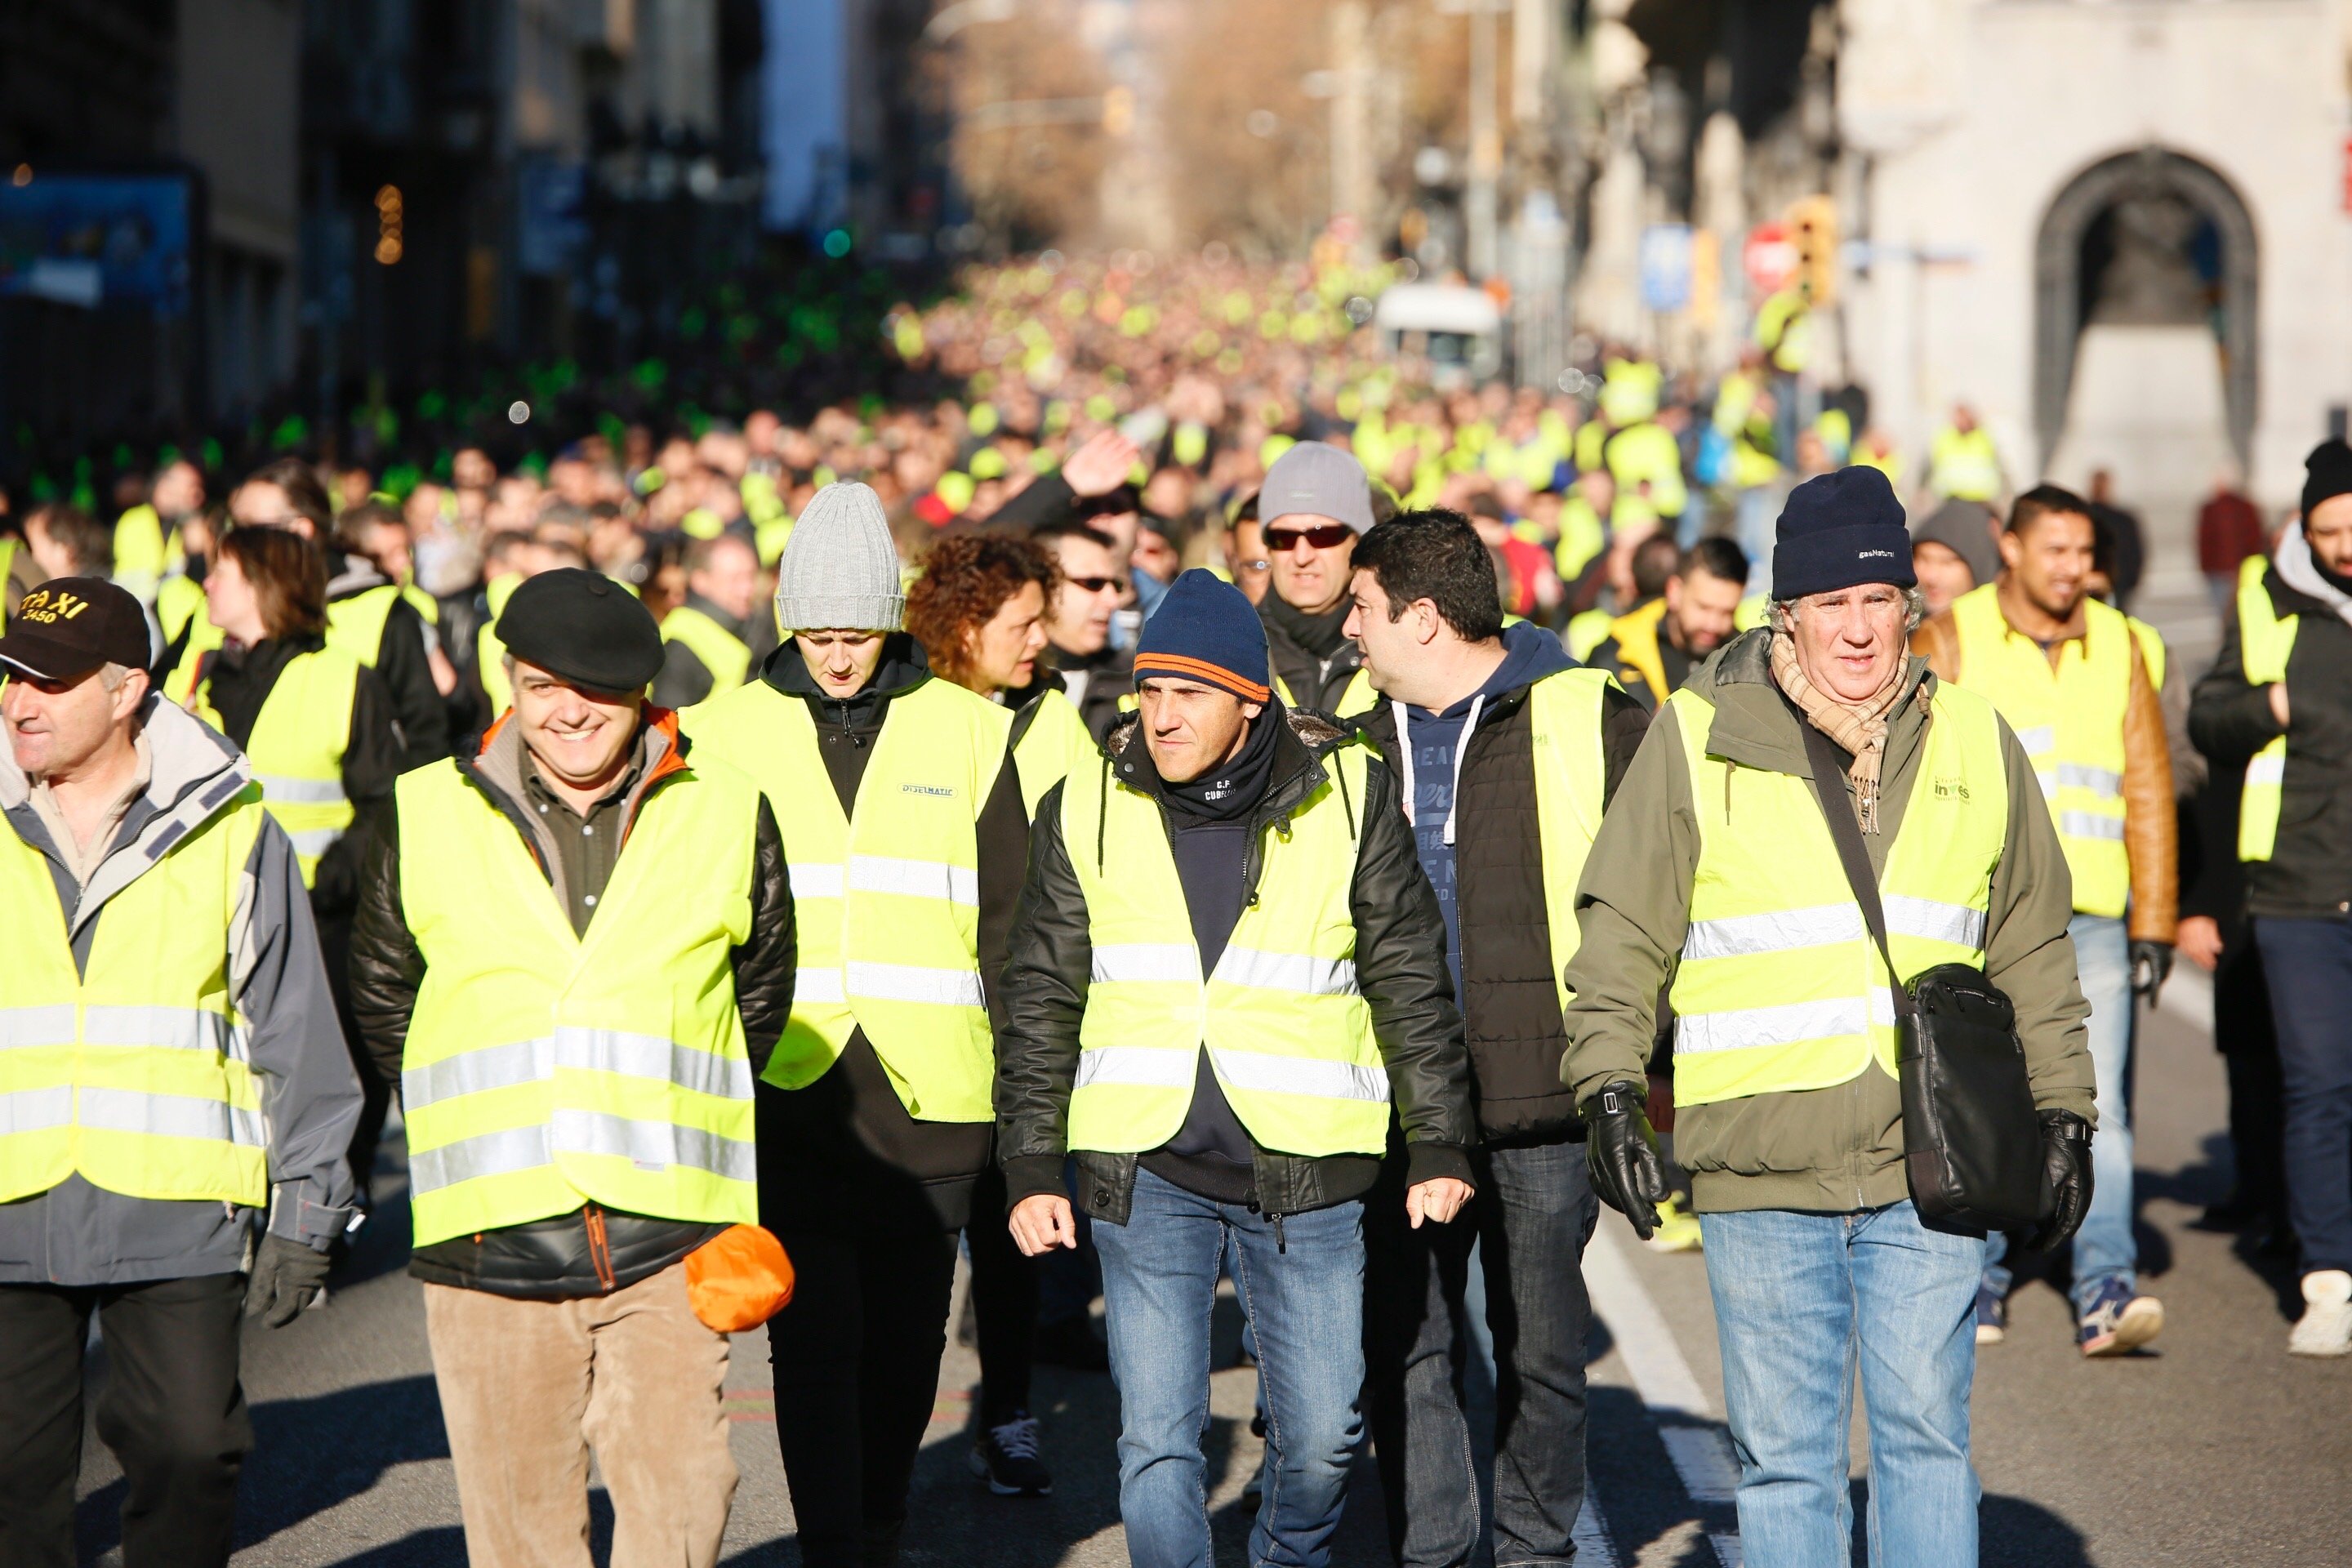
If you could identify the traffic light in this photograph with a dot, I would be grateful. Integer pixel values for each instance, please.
(1813, 230)
(388, 211)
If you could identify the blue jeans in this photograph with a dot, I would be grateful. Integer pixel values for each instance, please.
(1798, 1300)
(1302, 1289)
(2309, 963)
(2103, 1247)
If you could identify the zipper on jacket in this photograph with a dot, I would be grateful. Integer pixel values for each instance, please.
(1281, 1244)
(600, 1247)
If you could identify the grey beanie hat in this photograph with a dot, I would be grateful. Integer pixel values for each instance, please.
(840, 569)
(1317, 480)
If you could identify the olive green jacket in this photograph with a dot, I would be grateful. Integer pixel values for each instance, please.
(1833, 1149)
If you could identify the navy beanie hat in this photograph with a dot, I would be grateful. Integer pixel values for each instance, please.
(1208, 631)
(1838, 530)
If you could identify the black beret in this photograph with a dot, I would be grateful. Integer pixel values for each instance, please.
(583, 627)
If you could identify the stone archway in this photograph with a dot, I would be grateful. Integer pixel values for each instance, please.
(2151, 176)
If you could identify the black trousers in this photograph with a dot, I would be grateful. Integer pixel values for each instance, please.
(856, 1364)
(171, 1411)
(2248, 1042)
(1003, 1304)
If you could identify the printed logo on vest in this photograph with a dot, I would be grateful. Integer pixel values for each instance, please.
(1951, 789)
(940, 792)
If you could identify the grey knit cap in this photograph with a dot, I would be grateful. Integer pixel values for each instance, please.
(1317, 480)
(840, 570)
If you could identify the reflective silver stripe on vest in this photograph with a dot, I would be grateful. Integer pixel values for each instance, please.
(1301, 1074)
(1168, 963)
(2042, 738)
(1745, 936)
(314, 842)
(287, 790)
(1141, 1065)
(1785, 1026)
(816, 880)
(814, 988)
(167, 1116)
(912, 982)
(35, 1109)
(915, 879)
(2105, 783)
(2090, 824)
(652, 1057)
(1298, 972)
(169, 1028)
(499, 1154)
(654, 1145)
(473, 1072)
(1932, 920)
(2267, 768)
(37, 1026)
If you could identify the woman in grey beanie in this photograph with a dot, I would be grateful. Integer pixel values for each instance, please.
(908, 840)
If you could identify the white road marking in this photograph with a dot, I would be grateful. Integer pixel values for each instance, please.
(1701, 1456)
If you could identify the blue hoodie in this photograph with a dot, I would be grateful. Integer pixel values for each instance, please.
(1431, 739)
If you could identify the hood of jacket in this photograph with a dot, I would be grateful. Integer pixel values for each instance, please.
(2306, 590)
(195, 772)
(353, 574)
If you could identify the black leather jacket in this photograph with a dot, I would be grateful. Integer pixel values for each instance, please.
(592, 1250)
(1399, 967)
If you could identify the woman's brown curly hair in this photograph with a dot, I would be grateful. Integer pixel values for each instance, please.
(966, 579)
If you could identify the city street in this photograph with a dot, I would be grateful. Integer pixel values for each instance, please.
(2214, 1448)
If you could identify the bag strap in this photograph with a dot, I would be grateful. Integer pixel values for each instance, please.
(1845, 832)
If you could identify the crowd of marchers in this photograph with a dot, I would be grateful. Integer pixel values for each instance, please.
(757, 885)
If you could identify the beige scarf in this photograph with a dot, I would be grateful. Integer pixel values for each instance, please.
(1860, 728)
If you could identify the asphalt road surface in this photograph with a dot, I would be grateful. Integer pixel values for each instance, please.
(2212, 1448)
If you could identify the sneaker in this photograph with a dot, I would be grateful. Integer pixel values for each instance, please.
(1006, 1458)
(1992, 1315)
(2325, 1326)
(1677, 1229)
(2118, 1321)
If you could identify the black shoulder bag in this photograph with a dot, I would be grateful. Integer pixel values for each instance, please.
(1971, 1143)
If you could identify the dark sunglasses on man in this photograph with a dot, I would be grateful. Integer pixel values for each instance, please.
(1098, 585)
(1282, 540)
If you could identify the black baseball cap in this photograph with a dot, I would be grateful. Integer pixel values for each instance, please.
(69, 626)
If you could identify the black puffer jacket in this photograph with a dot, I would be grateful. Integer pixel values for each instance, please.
(2309, 873)
(1399, 967)
(1315, 681)
(1511, 1004)
(592, 1250)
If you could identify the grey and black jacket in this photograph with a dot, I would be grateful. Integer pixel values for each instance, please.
(78, 1233)
(1510, 1000)
(1399, 967)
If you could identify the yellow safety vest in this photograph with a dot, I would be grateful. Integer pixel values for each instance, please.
(1049, 740)
(178, 602)
(545, 1069)
(1587, 630)
(885, 898)
(427, 607)
(7, 564)
(1582, 537)
(726, 656)
(1780, 986)
(2070, 721)
(2151, 649)
(1355, 697)
(1636, 632)
(1648, 451)
(297, 749)
(132, 1073)
(1288, 1035)
(2266, 642)
(489, 653)
(204, 637)
(357, 623)
(140, 555)
(1966, 467)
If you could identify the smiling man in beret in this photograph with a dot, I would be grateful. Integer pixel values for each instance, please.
(575, 951)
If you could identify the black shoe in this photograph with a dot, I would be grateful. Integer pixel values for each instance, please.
(1072, 1343)
(1006, 1458)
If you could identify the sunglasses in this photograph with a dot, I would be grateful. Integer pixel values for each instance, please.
(1098, 585)
(1329, 536)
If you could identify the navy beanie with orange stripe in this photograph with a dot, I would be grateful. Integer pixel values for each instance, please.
(1208, 631)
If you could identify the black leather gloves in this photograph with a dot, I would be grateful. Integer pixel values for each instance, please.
(2152, 965)
(1622, 1153)
(286, 1277)
(2065, 1175)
